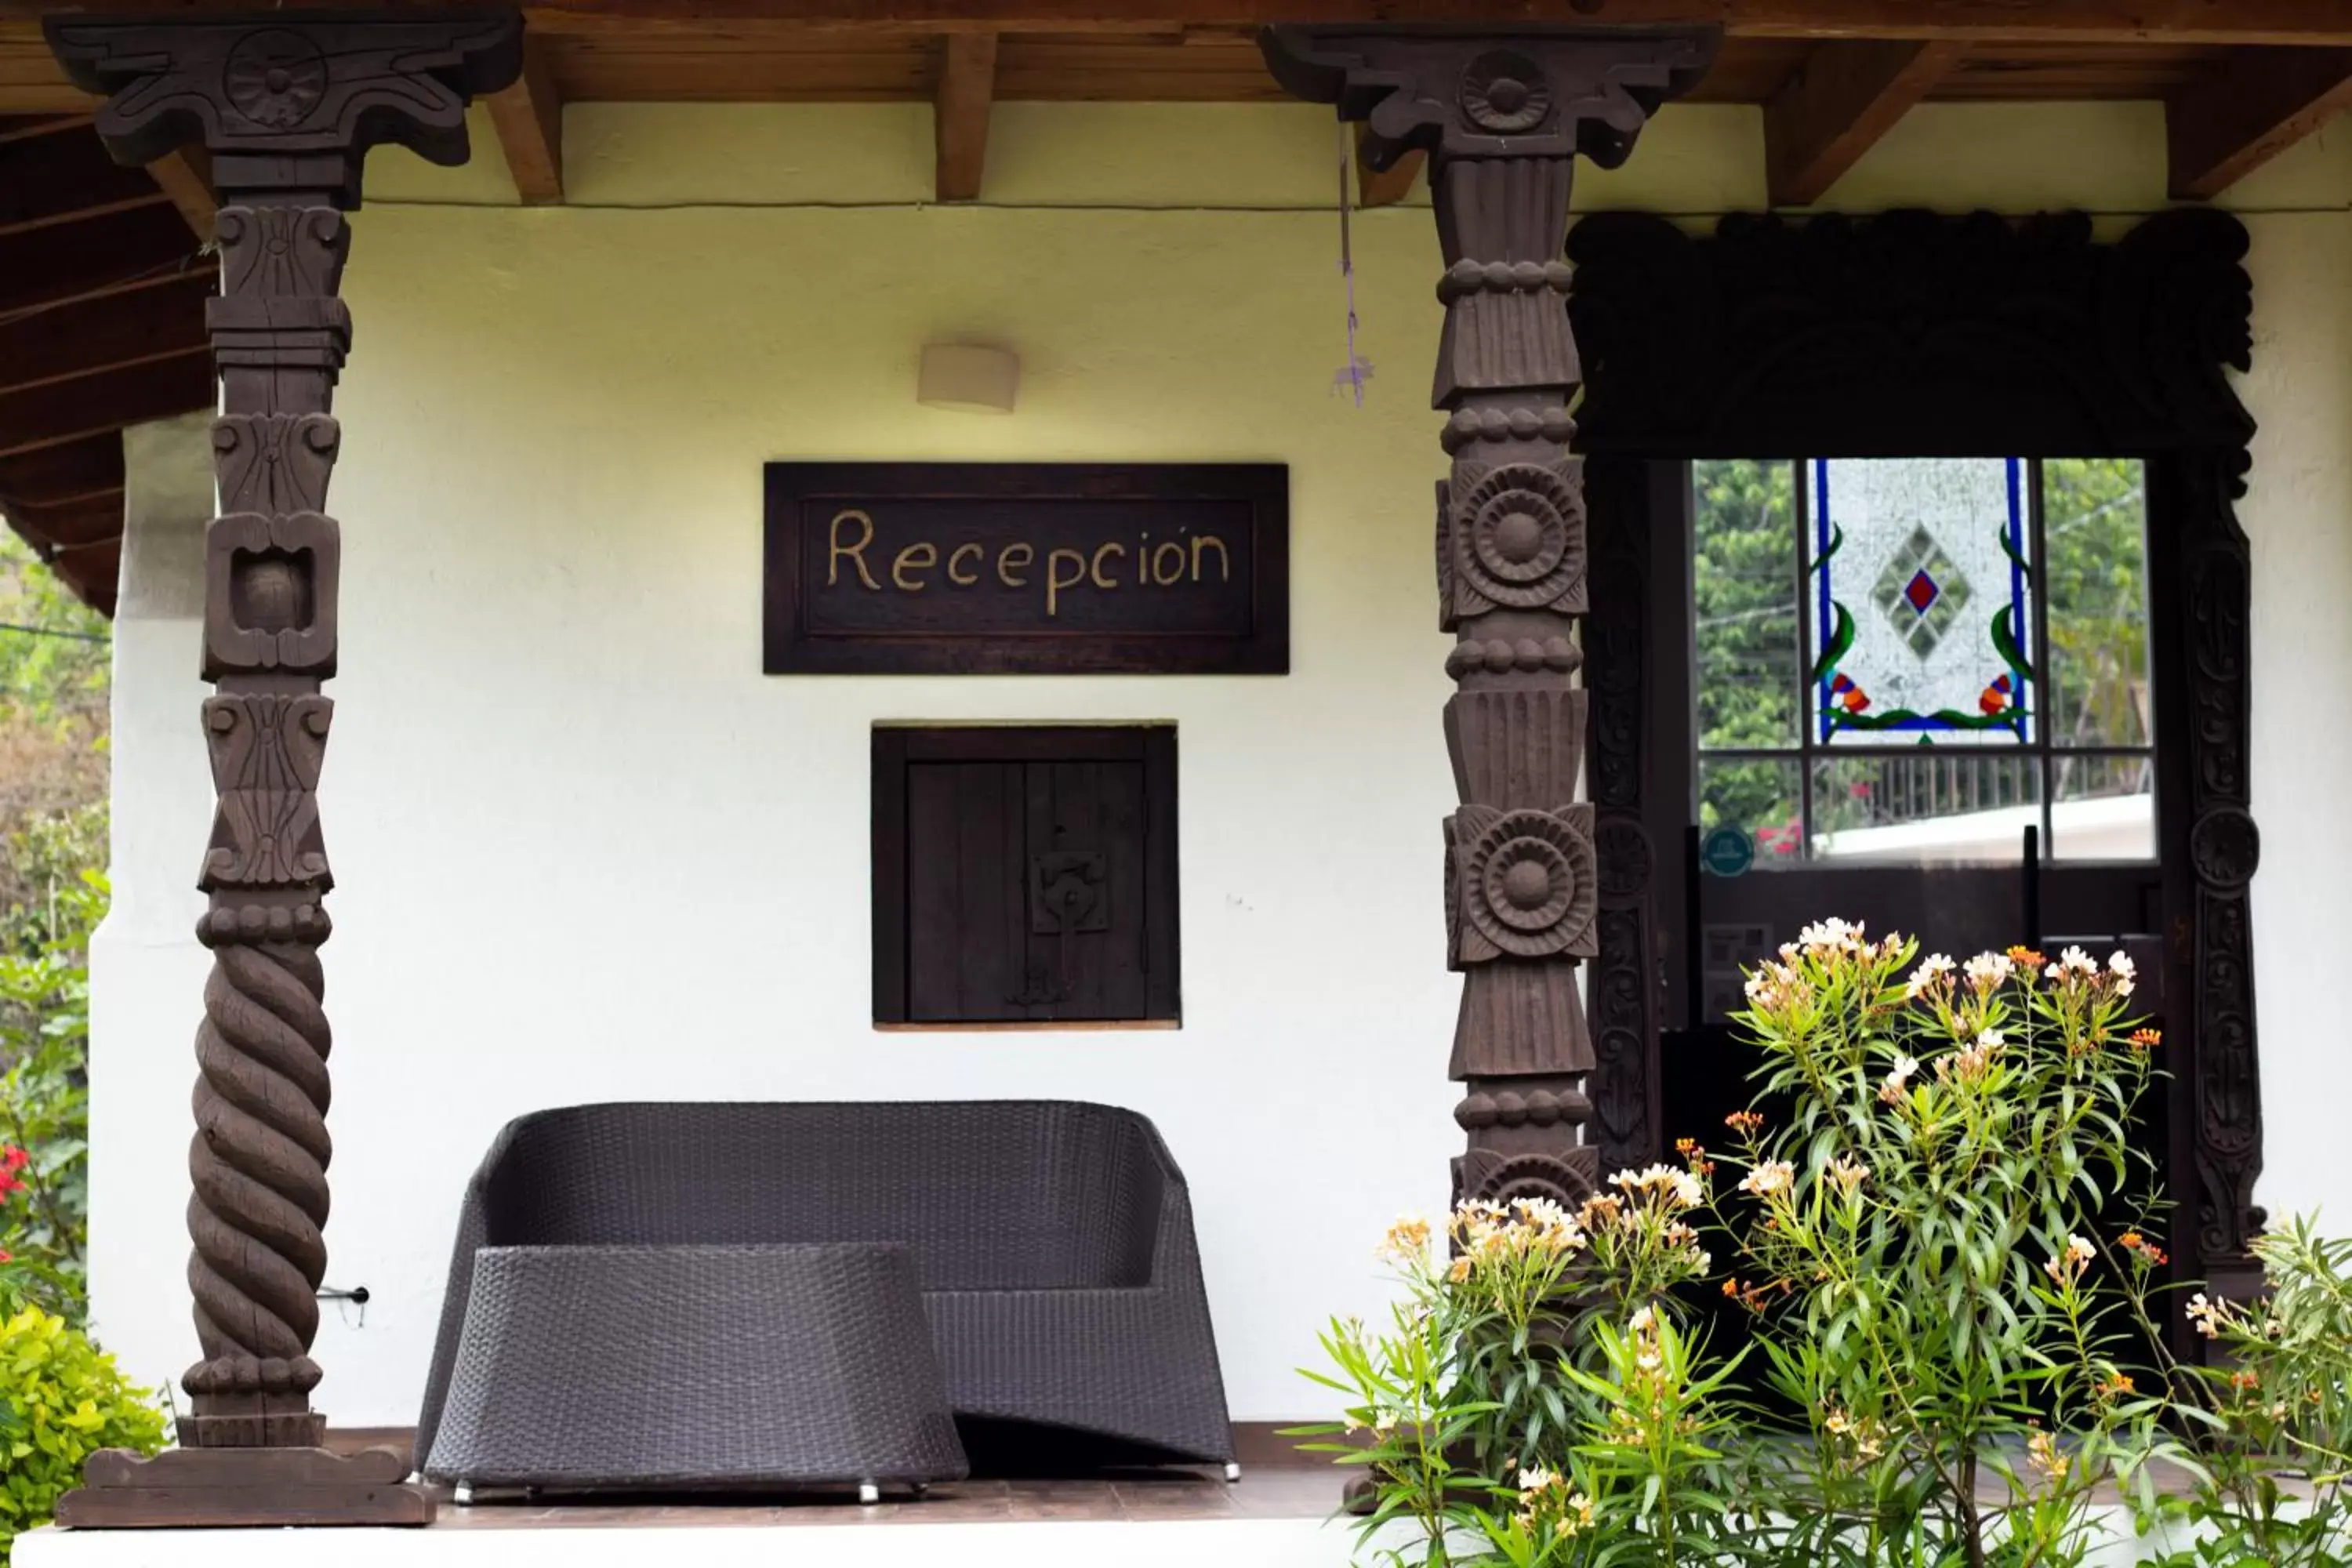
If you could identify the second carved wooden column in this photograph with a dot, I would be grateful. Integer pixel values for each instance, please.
(1503, 117)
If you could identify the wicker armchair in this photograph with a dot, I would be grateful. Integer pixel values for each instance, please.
(1051, 1244)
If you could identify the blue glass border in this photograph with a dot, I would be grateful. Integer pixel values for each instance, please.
(2020, 627)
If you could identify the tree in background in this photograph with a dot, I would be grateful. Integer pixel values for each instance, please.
(54, 666)
(1744, 589)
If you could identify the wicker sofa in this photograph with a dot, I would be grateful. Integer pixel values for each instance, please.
(1052, 1243)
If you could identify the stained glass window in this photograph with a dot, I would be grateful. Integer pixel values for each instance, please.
(1914, 660)
(1921, 594)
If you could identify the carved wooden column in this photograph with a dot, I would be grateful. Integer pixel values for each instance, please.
(1502, 115)
(289, 105)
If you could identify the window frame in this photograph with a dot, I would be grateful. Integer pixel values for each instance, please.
(1811, 750)
(896, 747)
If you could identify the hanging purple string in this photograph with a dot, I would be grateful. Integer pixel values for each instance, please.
(1358, 370)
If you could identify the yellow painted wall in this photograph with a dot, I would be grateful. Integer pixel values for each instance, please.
(586, 850)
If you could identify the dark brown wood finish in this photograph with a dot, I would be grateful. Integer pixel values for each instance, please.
(1502, 116)
(1027, 568)
(1911, 334)
(1026, 875)
(288, 105)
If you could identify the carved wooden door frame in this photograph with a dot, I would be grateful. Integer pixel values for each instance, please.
(1914, 334)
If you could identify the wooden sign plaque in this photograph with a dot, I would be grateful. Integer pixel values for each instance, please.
(1028, 568)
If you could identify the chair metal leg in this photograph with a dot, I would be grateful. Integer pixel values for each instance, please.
(923, 1488)
(1232, 1471)
(869, 1492)
(462, 1494)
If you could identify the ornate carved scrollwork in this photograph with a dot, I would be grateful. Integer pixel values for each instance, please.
(1503, 116)
(1914, 334)
(288, 107)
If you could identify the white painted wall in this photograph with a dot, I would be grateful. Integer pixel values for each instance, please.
(585, 850)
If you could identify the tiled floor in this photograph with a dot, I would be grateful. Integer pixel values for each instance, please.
(1264, 1491)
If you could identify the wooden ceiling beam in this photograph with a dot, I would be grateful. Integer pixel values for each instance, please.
(186, 178)
(1385, 187)
(95, 405)
(2262, 101)
(90, 336)
(959, 112)
(2264, 22)
(1836, 106)
(529, 121)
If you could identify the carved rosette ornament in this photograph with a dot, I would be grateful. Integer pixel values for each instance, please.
(1503, 116)
(288, 108)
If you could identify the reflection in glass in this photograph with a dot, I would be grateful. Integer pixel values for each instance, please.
(2095, 529)
(1930, 808)
(2103, 807)
(1760, 795)
(1744, 602)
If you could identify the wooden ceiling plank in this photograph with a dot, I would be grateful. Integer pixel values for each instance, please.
(95, 335)
(967, 91)
(62, 179)
(1838, 104)
(41, 125)
(185, 177)
(142, 248)
(1385, 187)
(59, 474)
(53, 416)
(60, 99)
(149, 198)
(529, 121)
(73, 528)
(2179, 22)
(2221, 128)
(2273, 22)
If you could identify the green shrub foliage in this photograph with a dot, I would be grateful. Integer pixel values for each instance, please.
(60, 1401)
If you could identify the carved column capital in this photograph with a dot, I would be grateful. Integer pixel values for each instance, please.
(291, 97)
(1492, 92)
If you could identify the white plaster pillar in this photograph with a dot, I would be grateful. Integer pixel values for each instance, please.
(147, 973)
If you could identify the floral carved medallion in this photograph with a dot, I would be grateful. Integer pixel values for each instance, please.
(1525, 883)
(275, 77)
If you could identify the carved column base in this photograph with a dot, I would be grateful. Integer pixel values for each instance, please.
(253, 1420)
(193, 1487)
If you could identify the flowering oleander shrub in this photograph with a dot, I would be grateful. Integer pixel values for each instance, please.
(1937, 1213)
(1940, 1244)
(2271, 1414)
(1530, 1380)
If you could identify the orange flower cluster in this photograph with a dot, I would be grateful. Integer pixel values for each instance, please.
(2027, 958)
(2146, 1251)
(1747, 1122)
(2146, 1040)
(1757, 1297)
(1691, 1150)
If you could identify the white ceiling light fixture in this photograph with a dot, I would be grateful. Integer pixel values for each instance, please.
(968, 378)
